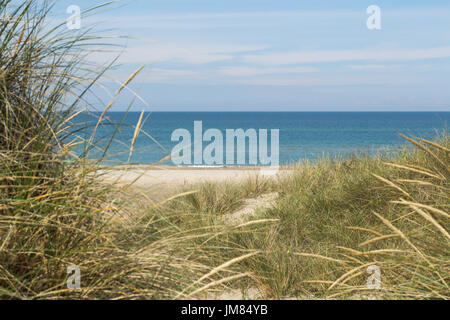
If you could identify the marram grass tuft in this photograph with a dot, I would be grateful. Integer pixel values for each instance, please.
(54, 210)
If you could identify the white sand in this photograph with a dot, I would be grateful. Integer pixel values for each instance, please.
(250, 208)
(164, 179)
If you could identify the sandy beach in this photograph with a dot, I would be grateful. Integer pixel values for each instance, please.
(164, 180)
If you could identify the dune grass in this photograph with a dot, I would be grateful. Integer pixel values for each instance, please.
(335, 219)
(54, 211)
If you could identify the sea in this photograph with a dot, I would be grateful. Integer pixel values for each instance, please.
(302, 135)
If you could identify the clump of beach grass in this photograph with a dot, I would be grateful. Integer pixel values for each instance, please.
(54, 210)
(333, 220)
(411, 244)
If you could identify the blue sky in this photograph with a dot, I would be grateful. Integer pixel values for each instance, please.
(287, 55)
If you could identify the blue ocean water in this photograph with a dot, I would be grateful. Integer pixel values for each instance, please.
(303, 135)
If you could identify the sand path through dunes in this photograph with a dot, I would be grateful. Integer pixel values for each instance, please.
(161, 183)
(250, 208)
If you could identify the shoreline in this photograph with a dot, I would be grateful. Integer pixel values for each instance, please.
(169, 167)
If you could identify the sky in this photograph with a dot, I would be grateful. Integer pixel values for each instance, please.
(278, 55)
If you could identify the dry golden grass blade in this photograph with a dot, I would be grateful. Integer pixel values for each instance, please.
(415, 169)
(426, 216)
(438, 146)
(389, 236)
(153, 139)
(318, 281)
(353, 276)
(366, 230)
(402, 235)
(218, 269)
(76, 114)
(135, 135)
(425, 169)
(310, 255)
(133, 75)
(226, 265)
(349, 273)
(19, 41)
(164, 159)
(352, 251)
(218, 282)
(392, 185)
(419, 182)
(422, 147)
(100, 119)
(384, 251)
(250, 223)
(423, 206)
(352, 258)
(255, 222)
(12, 229)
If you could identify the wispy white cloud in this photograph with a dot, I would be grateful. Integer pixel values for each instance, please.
(162, 75)
(170, 75)
(304, 57)
(215, 20)
(276, 77)
(336, 80)
(253, 71)
(167, 52)
(376, 67)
